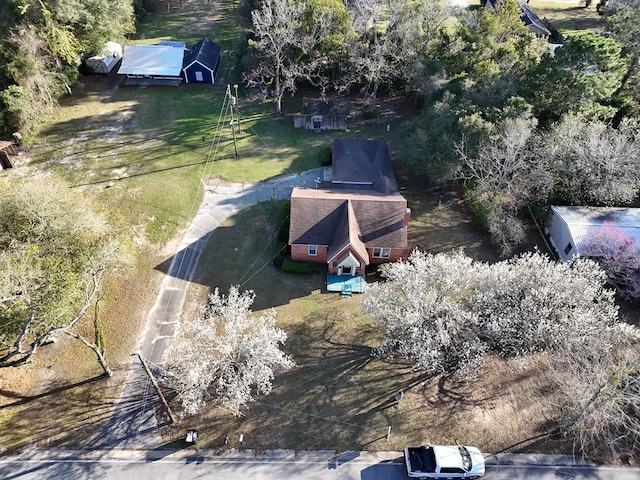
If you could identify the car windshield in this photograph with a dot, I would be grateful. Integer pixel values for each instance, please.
(466, 458)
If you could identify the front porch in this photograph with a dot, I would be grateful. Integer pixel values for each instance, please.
(346, 284)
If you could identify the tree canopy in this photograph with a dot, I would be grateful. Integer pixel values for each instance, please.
(55, 248)
(226, 354)
(444, 312)
(44, 43)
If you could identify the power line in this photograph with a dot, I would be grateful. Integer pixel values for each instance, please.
(260, 254)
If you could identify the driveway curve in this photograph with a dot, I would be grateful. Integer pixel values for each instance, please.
(133, 424)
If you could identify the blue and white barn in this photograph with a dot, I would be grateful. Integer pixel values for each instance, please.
(201, 63)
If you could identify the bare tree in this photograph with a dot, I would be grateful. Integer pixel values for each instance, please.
(225, 354)
(503, 175)
(55, 248)
(282, 52)
(598, 393)
(591, 162)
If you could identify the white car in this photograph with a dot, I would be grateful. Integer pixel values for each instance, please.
(444, 461)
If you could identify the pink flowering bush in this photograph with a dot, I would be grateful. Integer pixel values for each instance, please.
(619, 255)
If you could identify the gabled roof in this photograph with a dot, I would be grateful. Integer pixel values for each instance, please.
(205, 52)
(318, 214)
(152, 60)
(363, 162)
(326, 106)
(580, 220)
(347, 235)
(531, 19)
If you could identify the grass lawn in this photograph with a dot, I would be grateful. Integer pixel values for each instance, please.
(339, 396)
(569, 17)
(143, 152)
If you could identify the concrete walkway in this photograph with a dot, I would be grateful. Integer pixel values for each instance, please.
(133, 424)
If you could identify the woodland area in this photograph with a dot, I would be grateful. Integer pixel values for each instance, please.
(43, 46)
(494, 116)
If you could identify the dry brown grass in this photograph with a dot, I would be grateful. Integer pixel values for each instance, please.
(340, 396)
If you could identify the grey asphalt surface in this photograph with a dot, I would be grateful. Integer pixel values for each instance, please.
(133, 424)
(275, 465)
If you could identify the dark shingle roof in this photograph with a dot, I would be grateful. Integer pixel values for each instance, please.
(363, 161)
(348, 233)
(205, 51)
(317, 215)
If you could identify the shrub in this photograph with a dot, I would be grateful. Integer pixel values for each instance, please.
(477, 208)
(370, 114)
(278, 260)
(296, 267)
(325, 156)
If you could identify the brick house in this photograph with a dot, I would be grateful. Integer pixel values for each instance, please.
(356, 219)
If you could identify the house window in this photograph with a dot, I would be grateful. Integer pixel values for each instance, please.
(346, 271)
(568, 248)
(381, 252)
(313, 250)
(199, 76)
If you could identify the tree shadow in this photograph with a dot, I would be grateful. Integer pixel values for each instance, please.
(28, 399)
(66, 468)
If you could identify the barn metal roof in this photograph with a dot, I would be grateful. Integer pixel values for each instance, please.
(152, 60)
(580, 220)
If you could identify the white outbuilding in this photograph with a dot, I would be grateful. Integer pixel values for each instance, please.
(569, 227)
(108, 57)
(156, 64)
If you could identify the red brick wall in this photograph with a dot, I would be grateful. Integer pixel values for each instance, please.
(299, 253)
(394, 255)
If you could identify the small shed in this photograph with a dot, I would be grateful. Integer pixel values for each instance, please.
(320, 114)
(568, 227)
(108, 58)
(152, 64)
(201, 63)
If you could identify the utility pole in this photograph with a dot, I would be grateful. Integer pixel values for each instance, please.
(165, 404)
(232, 101)
(236, 104)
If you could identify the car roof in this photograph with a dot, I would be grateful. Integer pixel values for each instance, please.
(448, 456)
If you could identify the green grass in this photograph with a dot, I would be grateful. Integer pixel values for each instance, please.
(569, 17)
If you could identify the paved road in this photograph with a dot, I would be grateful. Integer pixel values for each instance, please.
(133, 424)
(276, 465)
